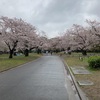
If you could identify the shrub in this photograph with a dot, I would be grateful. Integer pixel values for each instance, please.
(94, 62)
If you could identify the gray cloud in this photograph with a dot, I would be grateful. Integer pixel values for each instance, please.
(51, 16)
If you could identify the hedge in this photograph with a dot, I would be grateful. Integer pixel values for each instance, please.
(94, 62)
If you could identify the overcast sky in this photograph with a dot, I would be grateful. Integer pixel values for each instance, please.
(51, 16)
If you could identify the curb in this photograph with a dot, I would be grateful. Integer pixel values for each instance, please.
(80, 93)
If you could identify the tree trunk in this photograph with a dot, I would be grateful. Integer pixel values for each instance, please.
(11, 54)
(38, 51)
(26, 53)
(84, 52)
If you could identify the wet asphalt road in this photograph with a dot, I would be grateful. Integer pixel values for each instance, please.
(43, 79)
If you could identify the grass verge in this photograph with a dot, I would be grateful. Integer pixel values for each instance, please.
(6, 63)
(93, 91)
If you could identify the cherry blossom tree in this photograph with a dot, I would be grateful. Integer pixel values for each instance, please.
(42, 42)
(16, 34)
(95, 27)
(9, 34)
(3, 47)
(67, 41)
(82, 39)
(14, 31)
(54, 42)
(28, 39)
(95, 31)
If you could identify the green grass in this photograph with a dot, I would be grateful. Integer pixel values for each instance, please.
(6, 63)
(75, 61)
(4, 56)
